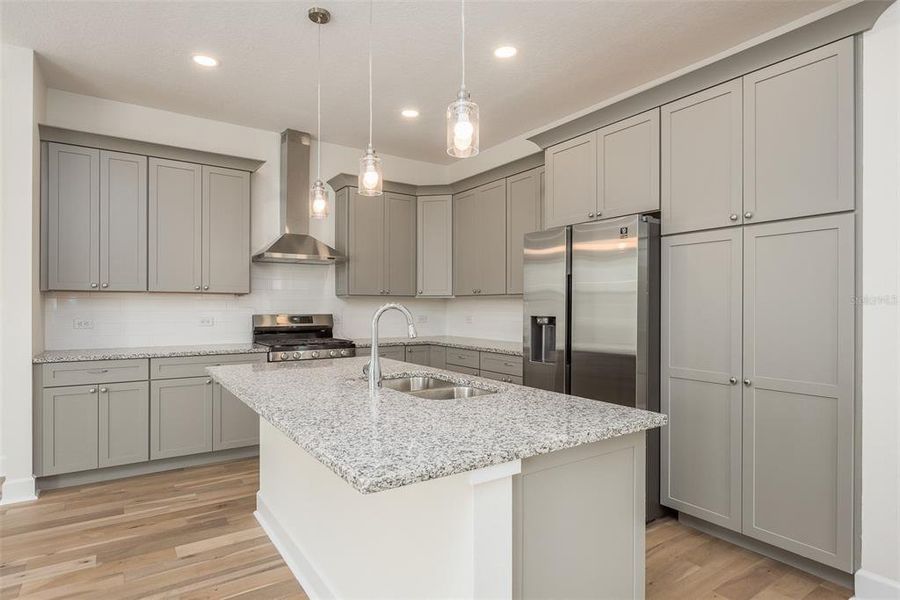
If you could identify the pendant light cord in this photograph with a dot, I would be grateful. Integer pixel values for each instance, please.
(318, 102)
(371, 19)
(462, 5)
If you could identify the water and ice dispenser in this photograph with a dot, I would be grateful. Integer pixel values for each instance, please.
(543, 339)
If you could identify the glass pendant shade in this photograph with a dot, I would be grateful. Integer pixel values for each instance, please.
(318, 200)
(462, 126)
(370, 178)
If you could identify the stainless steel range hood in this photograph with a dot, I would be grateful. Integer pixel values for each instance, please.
(295, 245)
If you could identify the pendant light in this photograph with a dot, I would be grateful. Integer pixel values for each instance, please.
(370, 177)
(318, 195)
(462, 114)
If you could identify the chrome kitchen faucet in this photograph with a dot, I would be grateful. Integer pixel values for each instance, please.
(373, 369)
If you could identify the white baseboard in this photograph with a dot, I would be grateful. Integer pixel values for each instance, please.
(871, 586)
(296, 560)
(18, 490)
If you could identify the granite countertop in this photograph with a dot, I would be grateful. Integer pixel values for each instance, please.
(449, 341)
(396, 439)
(56, 356)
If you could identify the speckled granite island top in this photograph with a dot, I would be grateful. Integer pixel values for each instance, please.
(56, 356)
(396, 439)
(449, 341)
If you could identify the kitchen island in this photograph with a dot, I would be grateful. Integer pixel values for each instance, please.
(514, 493)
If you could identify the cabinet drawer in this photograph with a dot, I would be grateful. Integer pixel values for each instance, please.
(502, 377)
(461, 369)
(501, 363)
(392, 352)
(93, 371)
(463, 358)
(195, 366)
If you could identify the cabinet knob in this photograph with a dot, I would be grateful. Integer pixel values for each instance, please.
(93, 285)
(103, 390)
(104, 285)
(748, 215)
(420, 291)
(205, 287)
(590, 215)
(747, 382)
(599, 213)
(732, 380)
(92, 390)
(733, 217)
(208, 381)
(196, 287)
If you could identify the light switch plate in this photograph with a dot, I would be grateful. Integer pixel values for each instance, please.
(83, 324)
(207, 321)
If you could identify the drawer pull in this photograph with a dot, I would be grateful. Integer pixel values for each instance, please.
(98, 371)
(509, 364)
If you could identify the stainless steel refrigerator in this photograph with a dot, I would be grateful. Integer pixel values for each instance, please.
(591, 324)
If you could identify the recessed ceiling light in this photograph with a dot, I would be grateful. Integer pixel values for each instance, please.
(409, 113)
(205, 61)
(505, 52)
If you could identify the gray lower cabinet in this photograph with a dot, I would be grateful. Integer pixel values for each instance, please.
(175, 245)
(419, 355)
(524, 195)
(700, 365)
(479, 240)
(798, 386)
(69, 427)
(799, 135)
(702, 154)
(235, 424)
(392, 352)
(438, 357)
(628, 166)
(180, 417)
(226, 230)
(124, 431)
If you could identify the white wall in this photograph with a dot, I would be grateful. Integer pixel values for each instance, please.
(20, 91)
(880, 573)
(492, 318)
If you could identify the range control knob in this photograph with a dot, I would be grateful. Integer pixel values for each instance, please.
(296, 356)
(345, 353)
(284, 356)
(332, 353)
(315, 354)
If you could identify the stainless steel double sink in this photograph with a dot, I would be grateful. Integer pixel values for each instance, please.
(432, 388)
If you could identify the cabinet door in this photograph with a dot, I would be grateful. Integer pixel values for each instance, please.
(366, 245)
(175, 226)
(523, 215)
(700, 367)
(702, 155)
(434, 256)
(465, 243)
(73, 217)
(491, 247)
(123, 221)
(798, 396)
(418, 355)
(799, 135)
(180, 417)
(68, 429)
(226, 230)
(400, 244)
(235, 424)
(124, 431)
(628, 166)
(571, 181)
(392, 352)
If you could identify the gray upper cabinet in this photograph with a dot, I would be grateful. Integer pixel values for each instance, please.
(175, 226)
(226, 230)
(798, 386)
(378, 234)
(479, 240)
(123, 221)
(71, 202)
(700, 366)
(400, 244)
(235, 424)
(702, 155)
(68, 421)
(434, 246)
(628, 166)
(124, 430)
(524, 193)
(180, 417)
(571, 181)
(799, 135)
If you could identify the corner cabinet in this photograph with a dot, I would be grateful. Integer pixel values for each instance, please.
(378, 236)
(199, 228)
(434, 246)
(479, 240)
(94, 205)
(607, 173)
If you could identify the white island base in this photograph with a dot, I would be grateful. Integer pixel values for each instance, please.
(569, 524)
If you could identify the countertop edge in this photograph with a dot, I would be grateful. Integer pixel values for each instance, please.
(89, 354)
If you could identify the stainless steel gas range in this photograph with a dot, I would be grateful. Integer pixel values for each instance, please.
(300, 337)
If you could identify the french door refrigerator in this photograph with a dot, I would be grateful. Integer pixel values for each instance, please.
(591, 326)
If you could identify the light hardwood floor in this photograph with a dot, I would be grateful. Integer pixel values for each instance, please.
(191, 534)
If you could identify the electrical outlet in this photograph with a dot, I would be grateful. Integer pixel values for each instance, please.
(469, 319)
(207, 321)
(420, 319)
(82, 324)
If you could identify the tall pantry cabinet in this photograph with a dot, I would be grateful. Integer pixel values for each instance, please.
(758, 277)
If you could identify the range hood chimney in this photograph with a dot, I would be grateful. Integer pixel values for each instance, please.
(295, 245)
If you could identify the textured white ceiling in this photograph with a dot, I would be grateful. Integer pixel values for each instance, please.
(571, 55)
